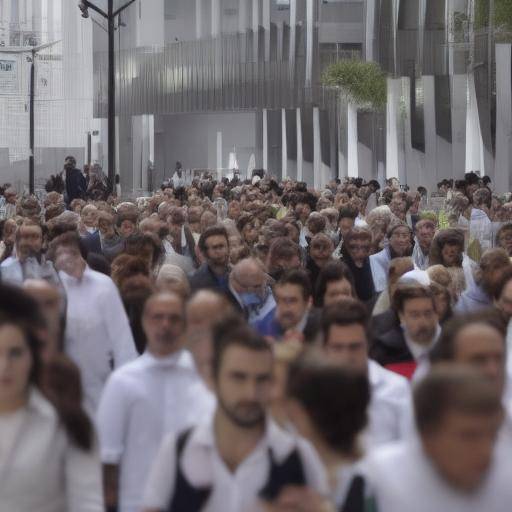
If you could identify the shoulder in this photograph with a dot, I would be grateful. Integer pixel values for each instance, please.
(388, 384)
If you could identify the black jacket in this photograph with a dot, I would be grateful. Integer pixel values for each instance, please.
(76, 185)
(204, 278)
(390, 347)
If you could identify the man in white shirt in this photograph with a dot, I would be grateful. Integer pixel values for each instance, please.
(158, 393)
(97, 337)
(241, 459)
(345, 330)
(454, 465)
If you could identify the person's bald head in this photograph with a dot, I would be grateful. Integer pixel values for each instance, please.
(204, 308)
(163, 321)
(248, 275)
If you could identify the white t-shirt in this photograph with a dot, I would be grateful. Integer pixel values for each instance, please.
(235, 491)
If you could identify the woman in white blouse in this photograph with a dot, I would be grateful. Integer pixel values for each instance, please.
(48, 457)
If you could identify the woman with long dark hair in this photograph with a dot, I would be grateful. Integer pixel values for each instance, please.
(48, 456)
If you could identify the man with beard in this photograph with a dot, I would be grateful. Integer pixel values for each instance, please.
(424, 231)
(487, 278)
(158, 393)
(240, 459)
(407, 347)
(29, 262)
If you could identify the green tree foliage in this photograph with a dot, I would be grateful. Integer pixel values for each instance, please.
(364, 83)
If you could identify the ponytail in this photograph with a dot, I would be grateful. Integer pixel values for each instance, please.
(60, 382)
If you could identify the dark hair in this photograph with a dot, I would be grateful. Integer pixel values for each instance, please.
(59, 380)
(506, 276)
(217, 230)
(335, 399)
(347, 311)
(282, 248)
(67, 239)
(127, 215)
(333, 271)
(448, 236)
(405, 292)
(298, 277)
(347, 213)
(233, 330)
(444, 349)
(358, 233)
(99, 263)
(134, 244)
(453, 388)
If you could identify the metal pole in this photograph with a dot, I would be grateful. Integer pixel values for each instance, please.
(31, 173)
(111, 98)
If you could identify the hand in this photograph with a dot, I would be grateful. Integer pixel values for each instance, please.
(299, 499)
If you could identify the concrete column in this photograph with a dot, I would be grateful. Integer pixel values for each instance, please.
(199, 19)
(459, 95)
(265, 140)
(219, 155)
(369, 29)
(352, 142)
(392, 120)
(310, 9)
(293, 33)
(242, 15)
(284, 146)
(317, 150)
(300, 156)
(429, 95)
(503, 162)
(265, 16)
(215, 18)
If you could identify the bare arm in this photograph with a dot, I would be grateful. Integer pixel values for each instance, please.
(111, 485)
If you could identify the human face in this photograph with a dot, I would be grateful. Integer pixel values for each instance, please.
(163, 323)
(450, 254)
(244, 386)
(10, 197)
(106, 228)
(345, 224)
(90, 217)
(346, 345)
(30, 241)
(483, 347)
(504, 303)
(419, 319)
(491, 278)
(250, 282)
(505, 241)
(127, 228)
(321, 251)
(234, 210)
(400, 241)
(291, 305)
(15, 365)
(69, 260)
(425, 232)
(250, 232)
(303, 211)
(336, 290)
(442, 304)
(359, 250)
(217, 250)
(461, 447)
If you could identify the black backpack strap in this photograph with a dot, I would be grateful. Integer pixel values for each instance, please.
(355, 500)
(289, 472)
(186, 497)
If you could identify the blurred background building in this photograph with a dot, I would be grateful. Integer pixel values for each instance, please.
(202, 81)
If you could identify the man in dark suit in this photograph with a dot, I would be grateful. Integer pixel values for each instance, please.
(405, 347)
(214, 272)
(76, 185)
(293, 318)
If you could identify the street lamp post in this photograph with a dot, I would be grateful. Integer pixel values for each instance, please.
(33, 50)
(110, 16)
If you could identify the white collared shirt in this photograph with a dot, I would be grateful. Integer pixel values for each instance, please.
(421, 353)
(390, 409)
(235, 491)
(41, 470)
(98, 336)
(143, 401)
(404, 479)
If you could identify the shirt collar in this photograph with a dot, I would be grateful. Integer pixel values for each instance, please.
(180, 359)
(302, 324)
(278, 440)
(39, 404)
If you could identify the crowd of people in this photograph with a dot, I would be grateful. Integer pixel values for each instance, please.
(239, 346)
